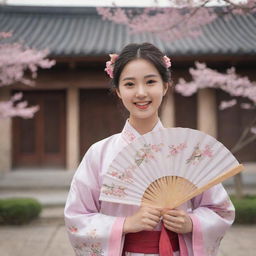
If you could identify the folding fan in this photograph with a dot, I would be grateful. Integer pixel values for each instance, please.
(167, 167)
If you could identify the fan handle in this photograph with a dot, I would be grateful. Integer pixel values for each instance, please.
(231, 172)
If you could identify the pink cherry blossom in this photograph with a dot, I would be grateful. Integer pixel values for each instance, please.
(247, 106)
(5, 34)
(227, 104)
(230, 82)
(207, 151)
(180, 19)
(11, 108)
(253, 130)
(15, 60)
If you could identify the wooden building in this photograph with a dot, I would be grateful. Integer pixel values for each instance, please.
(76, 106)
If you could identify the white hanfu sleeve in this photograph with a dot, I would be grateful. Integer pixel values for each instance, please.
(213, 213)
(91, 232)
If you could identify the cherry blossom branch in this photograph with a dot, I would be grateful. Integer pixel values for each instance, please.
(180, 19)
(230, 82)
(183, 20)
(242, 142)
(243, 7)
(15, 60)
(242, 137)
(15, 107)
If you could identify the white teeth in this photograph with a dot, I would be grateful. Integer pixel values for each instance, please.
(142, 104)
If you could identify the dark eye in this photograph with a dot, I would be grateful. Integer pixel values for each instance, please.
(129, 84)
(151, 81)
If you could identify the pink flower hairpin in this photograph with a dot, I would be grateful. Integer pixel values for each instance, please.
(110, 64)
(167, 61)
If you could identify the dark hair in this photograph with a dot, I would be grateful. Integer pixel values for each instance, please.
(145, 51)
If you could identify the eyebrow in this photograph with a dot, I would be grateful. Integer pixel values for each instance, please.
(132, 78)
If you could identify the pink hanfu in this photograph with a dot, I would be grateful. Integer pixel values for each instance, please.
(95, 227)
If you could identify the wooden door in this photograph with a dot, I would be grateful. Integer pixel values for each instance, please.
(101, 115)
(185, 111)
(41, 141)
(231, 123)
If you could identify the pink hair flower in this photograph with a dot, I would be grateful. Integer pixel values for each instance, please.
(167, 61)
(113, 57)
(109, 68)
(110, 64)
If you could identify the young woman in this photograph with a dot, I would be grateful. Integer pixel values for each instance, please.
(141, 76)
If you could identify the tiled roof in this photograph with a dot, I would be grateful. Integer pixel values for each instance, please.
(73, 31)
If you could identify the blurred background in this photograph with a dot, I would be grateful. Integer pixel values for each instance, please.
(55, 99)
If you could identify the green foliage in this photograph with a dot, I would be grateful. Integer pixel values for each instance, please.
(245, 209)
(17, 211)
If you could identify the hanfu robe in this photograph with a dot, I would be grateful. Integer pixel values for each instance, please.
(95, 228)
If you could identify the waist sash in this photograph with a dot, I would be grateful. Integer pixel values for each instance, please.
(162, 242)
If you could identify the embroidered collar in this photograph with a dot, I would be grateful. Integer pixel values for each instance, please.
(129, 133)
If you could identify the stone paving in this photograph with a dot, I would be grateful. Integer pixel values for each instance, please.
(239, 241)
(35, 239)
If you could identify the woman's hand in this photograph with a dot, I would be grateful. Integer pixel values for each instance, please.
(177, 221)
(146, 218)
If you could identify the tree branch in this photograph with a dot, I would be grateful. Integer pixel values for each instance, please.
(240, 143)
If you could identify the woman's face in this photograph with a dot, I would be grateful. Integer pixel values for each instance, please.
(141, 89)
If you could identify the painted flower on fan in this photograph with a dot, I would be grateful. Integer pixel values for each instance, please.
(124, 175)
(127, 176)
(110, 64)
(198, 154)
(167, 61)
(147, 152)
(175, 149)
(157, 147)
(114, 190)
(207, 151)
(148, 155)
(113, 173)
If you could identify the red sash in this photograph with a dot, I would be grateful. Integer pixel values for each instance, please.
(162, 242)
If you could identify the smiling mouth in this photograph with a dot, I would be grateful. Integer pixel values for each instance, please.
(142, 105)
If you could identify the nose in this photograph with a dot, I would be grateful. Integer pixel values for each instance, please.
(141, 91)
